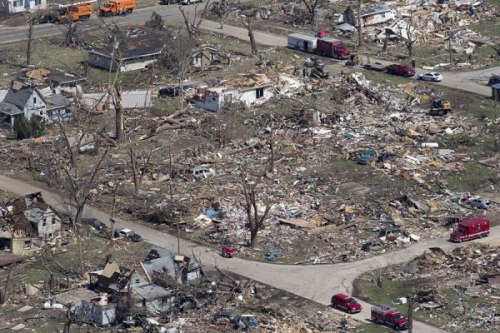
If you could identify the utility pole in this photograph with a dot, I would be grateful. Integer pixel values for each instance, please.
(316, 20)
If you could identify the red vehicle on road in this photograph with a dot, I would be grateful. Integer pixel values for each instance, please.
(401, 70)
(333, 48)
(346, 303)
(389, 316)
(227, 251)
(470, 229)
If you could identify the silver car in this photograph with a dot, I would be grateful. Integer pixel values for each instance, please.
(431, 76)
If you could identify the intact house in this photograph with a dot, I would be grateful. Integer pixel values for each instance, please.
(138, 49)
(28, 101)
(27, 224)
(21, 6)
(376, 13)
(248, 89)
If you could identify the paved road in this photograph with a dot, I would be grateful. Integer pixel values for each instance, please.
(314, 282)
(473, 81)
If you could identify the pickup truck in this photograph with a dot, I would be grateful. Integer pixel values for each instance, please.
(401, 70)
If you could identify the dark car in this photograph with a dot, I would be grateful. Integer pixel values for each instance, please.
(174, 90)
(130, 234)
(367, 156)
(494, 79)
(95, 223)
(386, 156)
(390, 230)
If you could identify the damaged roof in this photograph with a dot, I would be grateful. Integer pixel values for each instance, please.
(46, 74)
(375, 9)
(137, 43)
(19, 97)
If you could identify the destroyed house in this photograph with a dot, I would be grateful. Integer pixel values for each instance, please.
(21, 6)
(161, 261)
(376, 13)
(119, 281)
(114, 278)
(138, 49)
(55, 80)
(205, 57)
(98, 310)
(246, 89)
(28, 101)
(27, 224)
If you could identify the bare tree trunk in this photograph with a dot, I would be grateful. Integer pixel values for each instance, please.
(5, 291)
(30, 38)
(119, 127)
(78, 234)
(249, 27)
(360, 33)
(411, 304)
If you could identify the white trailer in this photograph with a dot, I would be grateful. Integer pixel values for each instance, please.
(302, 42)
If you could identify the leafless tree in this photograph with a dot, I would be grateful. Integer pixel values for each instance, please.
(312, 8)
(119, 121)
(360, 28)
(220, 9)
(76, 181)
(408, 33)
(5, 291)
(193, 27)
(138, 172)
(250, 190)
(29, 19)
(177, 59)
(248, 22)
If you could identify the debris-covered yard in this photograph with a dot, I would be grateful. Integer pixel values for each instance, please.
(348, 167)
(456, 290)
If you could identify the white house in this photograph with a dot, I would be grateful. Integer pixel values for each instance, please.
(19, 6)
(375, 14)
(28, 101)
(249, 89)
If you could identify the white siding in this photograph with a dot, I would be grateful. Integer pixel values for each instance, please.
(19, 6)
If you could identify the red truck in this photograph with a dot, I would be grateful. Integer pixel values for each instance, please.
(331, 47)
(470, 229)
(389, 316)
(346, 303)
(401, 70)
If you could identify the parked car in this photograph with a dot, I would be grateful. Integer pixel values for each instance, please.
(494, 79)
(130, 234)
(372, 245)
(314, 62)
(95, 223)
(367, 156)
(389, 316)
(346, 303)
(389, 230)
(431, 76)
(202, 172)
(478, 203)
(173, 91)
(188, 2)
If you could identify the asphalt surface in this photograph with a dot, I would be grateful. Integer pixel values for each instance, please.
(314, 282)
(471, 81)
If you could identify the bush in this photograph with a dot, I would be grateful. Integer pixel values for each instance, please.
(25, 129)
